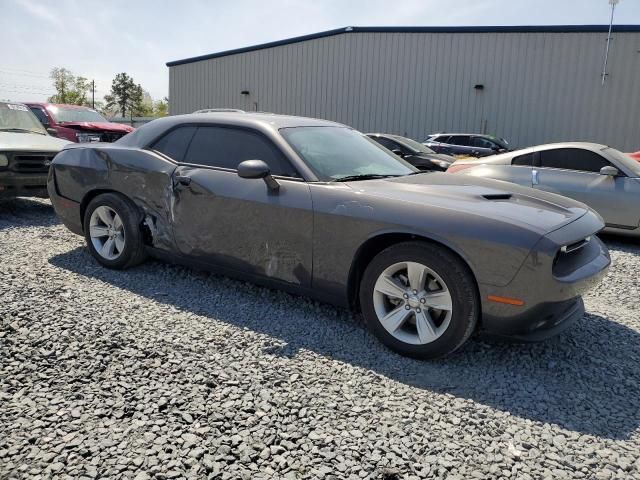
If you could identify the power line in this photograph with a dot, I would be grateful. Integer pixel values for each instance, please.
(23, 70)
(22, 85)
(18, 74)
(22, 91)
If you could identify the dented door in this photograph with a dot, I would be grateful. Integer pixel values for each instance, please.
(240, 224)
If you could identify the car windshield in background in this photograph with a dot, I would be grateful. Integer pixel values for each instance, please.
(413, 144)
(18, 118)
(624, 160)
(501, 141)
(63, 115)
(339, 152)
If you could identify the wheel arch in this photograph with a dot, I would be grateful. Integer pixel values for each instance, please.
(376, 244)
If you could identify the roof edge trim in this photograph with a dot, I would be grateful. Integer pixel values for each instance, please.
(470, 29)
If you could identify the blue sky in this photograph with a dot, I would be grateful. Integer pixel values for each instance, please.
(99, 39)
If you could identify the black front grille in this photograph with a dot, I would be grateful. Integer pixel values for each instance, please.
(111, 136)
(31, 162)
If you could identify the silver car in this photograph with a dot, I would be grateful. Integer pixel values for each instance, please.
(602, 177)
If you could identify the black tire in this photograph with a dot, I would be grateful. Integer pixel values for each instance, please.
(133, 252)
(460, 283)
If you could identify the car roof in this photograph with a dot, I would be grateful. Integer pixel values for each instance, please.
(65, 105)
(252, 118)
(469, 134)
(385, 135)
(12, 103)
(265, 122)
(506, 157)
(392, 136)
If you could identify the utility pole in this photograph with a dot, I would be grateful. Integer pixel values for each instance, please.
(93, 94)
(613, 4)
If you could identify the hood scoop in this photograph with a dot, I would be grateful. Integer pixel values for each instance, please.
(497, 196)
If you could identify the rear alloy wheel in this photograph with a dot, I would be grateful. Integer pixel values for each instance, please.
(112, 231)
(107, 232)
(419, 299)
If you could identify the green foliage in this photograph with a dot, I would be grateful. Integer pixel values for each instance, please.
(69, 88)
(161, 108)
(126, 95)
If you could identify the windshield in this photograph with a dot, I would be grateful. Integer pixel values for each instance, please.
(16, 117)
(339, 152)
(67, 114)
(623, 160)
(500, 141)
(417, 146)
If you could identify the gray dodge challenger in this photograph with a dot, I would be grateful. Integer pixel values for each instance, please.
(317, 208)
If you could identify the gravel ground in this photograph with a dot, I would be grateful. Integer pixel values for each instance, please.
(164, 372)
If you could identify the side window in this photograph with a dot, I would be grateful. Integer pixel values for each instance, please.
(174, 144)
(227, 147)
(462, 140)
(40, 114)
(526, 160)
(482, 142)
(572, 159)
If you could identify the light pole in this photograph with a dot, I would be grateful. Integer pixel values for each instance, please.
(613, 4)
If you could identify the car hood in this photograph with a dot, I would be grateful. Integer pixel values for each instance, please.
(437, 156)
(99, 126)
(535, 210)
(30, 142)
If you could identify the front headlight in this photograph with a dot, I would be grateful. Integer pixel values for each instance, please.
(4, 160)
(83, 137)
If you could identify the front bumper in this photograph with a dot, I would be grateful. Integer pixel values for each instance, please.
(550, 284)
(23, 184)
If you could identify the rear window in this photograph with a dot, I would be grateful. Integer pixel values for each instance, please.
(175, 143)
(523, 160)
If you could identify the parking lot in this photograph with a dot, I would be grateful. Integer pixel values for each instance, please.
(165, 372)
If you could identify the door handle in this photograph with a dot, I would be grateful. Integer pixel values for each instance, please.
(534, 177)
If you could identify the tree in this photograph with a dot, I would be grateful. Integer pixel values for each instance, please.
(161, 108)
(145, 109)
(126, 95)
(69, 88)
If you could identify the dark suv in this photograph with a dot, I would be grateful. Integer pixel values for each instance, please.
(470, 144)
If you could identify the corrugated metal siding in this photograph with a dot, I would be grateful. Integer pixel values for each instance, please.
(538, 87)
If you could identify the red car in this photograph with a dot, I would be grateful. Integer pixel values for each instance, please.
(635, 155)
(77, 123)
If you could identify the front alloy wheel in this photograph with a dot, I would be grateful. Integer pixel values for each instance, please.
(412, 303)
(420, 299)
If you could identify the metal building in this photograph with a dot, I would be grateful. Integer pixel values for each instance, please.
(529, 84)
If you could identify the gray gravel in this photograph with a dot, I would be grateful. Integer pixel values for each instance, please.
(164, 372)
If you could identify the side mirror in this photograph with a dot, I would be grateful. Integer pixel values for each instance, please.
(398, 152)
(609, 171)
(52, 131)
(257, 169)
